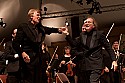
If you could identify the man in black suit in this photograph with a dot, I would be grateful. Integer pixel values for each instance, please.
(27, 44)
(13, 61)
(90, 43)
(107, 74)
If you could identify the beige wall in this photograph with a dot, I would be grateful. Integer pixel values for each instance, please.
(13, 13)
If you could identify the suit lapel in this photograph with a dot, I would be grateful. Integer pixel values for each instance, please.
(84, 36)
(92, 42)
(30, 32)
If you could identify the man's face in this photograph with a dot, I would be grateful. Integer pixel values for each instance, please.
(36, 17)
(88, 25)
(115, 45)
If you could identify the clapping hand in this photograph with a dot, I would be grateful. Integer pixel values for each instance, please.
(64, 30)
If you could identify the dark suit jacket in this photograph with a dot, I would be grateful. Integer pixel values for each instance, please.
(13, 63)
(91, 57)
(26, 37)
(106, 59)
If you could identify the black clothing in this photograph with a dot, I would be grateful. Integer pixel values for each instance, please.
(13, 63)
(118, 78)
(2, 63)
(107, 77)
(45, 58)
(68, 69)
(27, 40)
(91, 58)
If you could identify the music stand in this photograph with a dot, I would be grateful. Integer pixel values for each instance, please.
(62, 78)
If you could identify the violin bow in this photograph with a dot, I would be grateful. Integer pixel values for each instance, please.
(120, 41)
(110, 30)
(71, 59)
(52, 57)
(2, 41)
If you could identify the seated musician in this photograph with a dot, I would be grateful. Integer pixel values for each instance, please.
(53, 68)
(67, 65)
(45, 58)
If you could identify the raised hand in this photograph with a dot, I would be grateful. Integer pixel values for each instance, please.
(64, 30)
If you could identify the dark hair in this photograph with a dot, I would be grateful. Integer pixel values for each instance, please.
(114, 41)
(67, 47)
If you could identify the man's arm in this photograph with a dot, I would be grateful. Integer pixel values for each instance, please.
(8, 52)
(110, 51)
(17, 42)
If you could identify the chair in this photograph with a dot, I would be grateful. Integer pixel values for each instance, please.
(3, 78)
(61, 78)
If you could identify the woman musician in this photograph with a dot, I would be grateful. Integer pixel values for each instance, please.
(67, 65)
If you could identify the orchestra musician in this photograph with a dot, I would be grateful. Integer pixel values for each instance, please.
(45, 58)
(13, 61)
(123, 62)
(52, 68)
(67, 65)
(118, 75)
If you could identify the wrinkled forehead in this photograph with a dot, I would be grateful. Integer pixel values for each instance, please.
(36, 13)
(115, 42)
(88, 20)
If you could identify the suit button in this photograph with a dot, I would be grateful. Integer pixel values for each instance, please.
(91, 55)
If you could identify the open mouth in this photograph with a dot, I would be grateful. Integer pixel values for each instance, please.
(86, 25)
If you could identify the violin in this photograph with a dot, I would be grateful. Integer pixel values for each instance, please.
(69, 71)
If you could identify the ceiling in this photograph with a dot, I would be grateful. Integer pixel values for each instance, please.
(112, 10)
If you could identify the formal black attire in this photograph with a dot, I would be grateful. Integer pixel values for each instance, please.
(13, 64)
(122, 65)
(28, 39)
(45, 58)
(68, 69)
(2, 63)
(107, 77)
(118, 77)
(90, 62)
